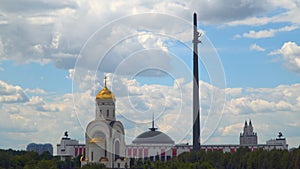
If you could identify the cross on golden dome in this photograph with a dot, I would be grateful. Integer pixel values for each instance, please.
(105, 77)
(105, 93)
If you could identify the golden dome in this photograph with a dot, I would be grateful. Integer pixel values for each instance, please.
(105, 93)
(103, 159)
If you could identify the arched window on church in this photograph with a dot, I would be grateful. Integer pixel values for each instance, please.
(113, 113)
(107, 113)
(117, 149)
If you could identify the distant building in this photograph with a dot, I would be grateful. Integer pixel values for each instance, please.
(278, 143)
(156, 145)
(40, 148)
(69, 148)
(152, 144)
(248, 137)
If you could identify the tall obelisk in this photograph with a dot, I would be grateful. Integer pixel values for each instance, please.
(196, 114)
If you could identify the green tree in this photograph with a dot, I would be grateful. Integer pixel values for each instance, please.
(46, 164)
(147, 164)
(93, 166)
(203, 165)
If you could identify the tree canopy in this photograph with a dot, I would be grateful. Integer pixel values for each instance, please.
(242, 158)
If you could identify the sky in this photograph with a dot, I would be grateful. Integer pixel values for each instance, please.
(55, 54)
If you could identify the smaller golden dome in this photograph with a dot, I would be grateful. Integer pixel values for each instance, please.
(97, 140)
(103, 159)
(105, 93)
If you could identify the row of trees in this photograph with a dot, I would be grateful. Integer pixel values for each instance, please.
(243, 158)
(11, 159)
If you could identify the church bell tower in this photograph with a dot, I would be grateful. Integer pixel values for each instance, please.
(105, 104)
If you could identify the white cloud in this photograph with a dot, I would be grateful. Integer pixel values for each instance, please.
(290, 54)
(37, 120)
(219, 11)
(172, 107)
(252, 21)
(264, 100)
(259, 34)
(256, 47)
(11, 94)
(290, 14)
(60, 28)
(35, 101)
(1, 47)
(234, 91)
(40, 20)
(35, 91)
(232, 129)
(266, 33)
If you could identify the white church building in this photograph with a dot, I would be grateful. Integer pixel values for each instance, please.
(105, 135)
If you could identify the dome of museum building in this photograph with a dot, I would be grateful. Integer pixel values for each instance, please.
(153, 137)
